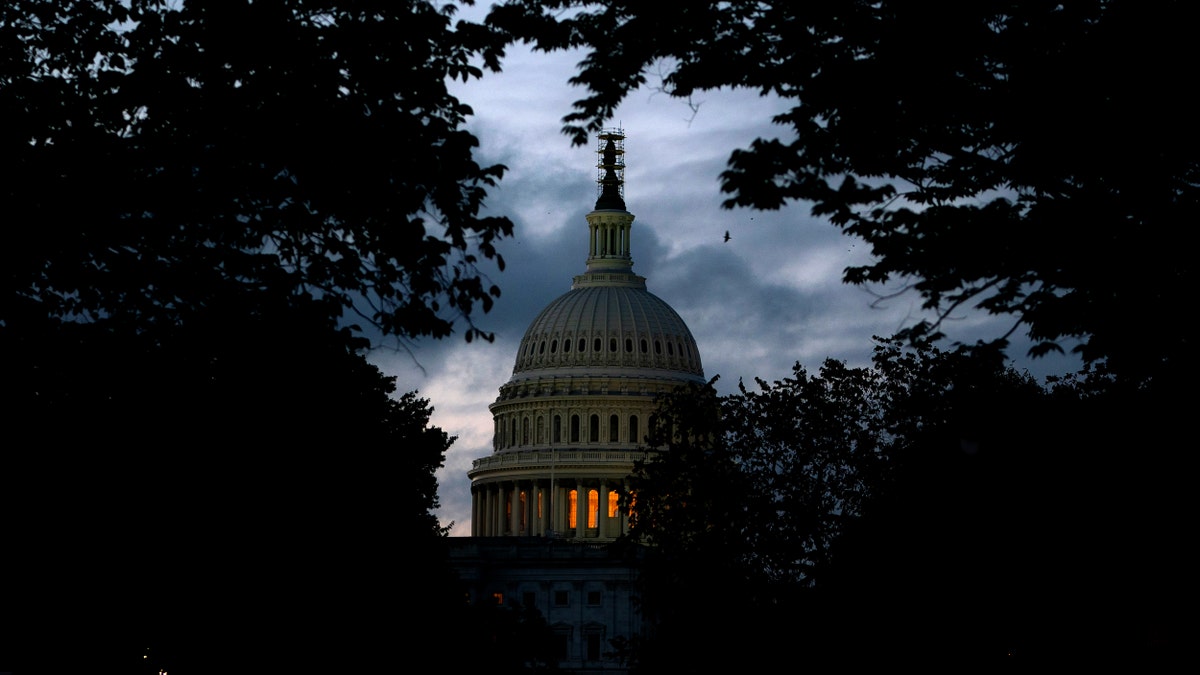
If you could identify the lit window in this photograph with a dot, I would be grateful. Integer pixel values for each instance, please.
(593, 506)
(572, 501)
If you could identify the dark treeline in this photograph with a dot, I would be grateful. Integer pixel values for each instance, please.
(936, 510)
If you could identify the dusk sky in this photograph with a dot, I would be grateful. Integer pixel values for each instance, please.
(768, 298)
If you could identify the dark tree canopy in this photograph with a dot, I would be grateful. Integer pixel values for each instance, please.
(232, 500)
(159, 155)
(201, 201)
(1037, 160)
(935, 510)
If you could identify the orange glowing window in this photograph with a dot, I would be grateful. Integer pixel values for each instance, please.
(612, 503)
(571, 508)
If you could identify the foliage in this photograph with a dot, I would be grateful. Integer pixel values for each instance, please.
(512, 638)
(212, 208)
(162, 155)
(227, 499)
(937, 509)
(1032, 159)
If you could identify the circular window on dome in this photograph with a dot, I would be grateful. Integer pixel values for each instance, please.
(566, 346)
(628, 344)
(612, 344)
(582, 345)
(542, 347)
(553, 346)
(670, 349)
(657, 347)
(645, 348)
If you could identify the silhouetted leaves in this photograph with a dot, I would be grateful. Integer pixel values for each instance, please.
(204, 202)
(1031, 159)
(937, 509)
(156, 152)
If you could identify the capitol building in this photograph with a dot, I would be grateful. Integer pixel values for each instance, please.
(568, 427)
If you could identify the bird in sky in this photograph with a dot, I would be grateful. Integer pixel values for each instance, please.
(726, 235)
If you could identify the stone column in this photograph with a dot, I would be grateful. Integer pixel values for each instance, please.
(602, 509)
(514, 509)
(475, 512)
(501, 500)
(481, 525)
(581, 508)
(625, 511)
(539, 491)
(531, 524)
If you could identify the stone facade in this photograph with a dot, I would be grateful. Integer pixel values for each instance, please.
(568, 427)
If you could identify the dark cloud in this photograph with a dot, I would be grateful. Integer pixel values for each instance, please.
(769, 297)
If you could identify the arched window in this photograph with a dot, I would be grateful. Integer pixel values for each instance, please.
(633, 429)
(566, 346)
(541, 430)
(542, 347)
(512, 433)
(594, 429)
(556, 429)
(554, 346)
(525, 431)
(643, 345)
(612, 344)
(613, 424)
(628, 344)
(574, 428)
(597, 344)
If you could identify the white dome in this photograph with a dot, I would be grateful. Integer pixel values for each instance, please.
(608, 329)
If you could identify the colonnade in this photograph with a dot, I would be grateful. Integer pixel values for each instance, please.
(534, 507)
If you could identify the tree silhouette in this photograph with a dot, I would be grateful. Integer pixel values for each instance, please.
(935, 510)
(158, 154)
(212, 209)
(1026, 158)
(230, 501)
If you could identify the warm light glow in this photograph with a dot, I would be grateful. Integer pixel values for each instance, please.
(572, 496)
(613, 499)
(593, 508)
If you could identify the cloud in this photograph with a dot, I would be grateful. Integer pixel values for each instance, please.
(770, 297)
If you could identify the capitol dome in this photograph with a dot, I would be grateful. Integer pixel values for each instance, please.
(571, 421)
(611, 325)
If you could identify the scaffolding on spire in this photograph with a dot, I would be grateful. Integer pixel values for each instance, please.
(610, 170)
